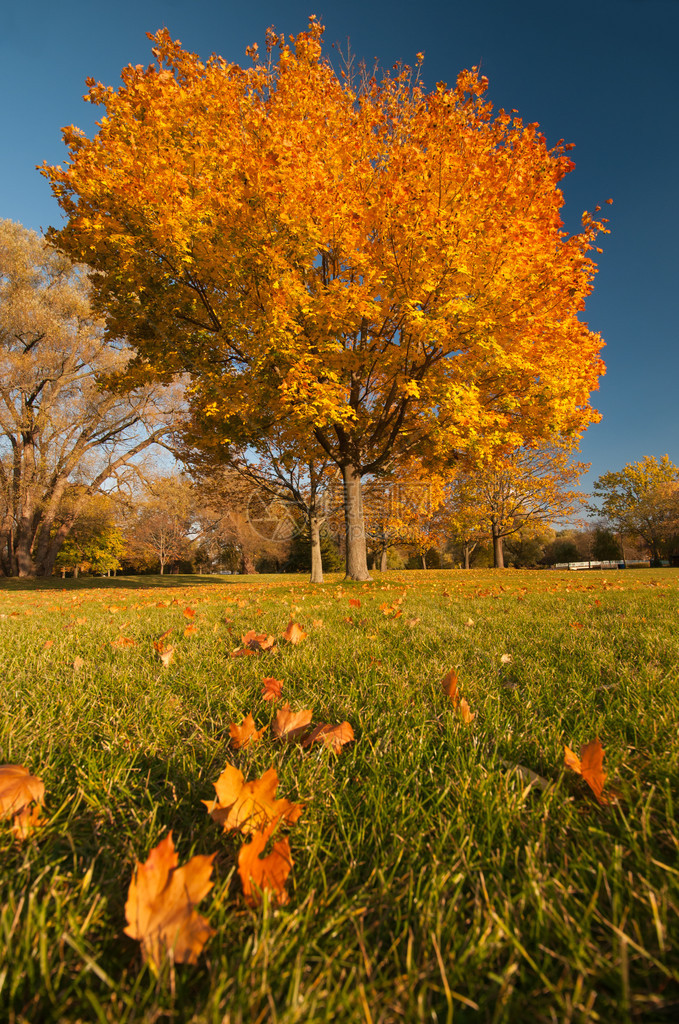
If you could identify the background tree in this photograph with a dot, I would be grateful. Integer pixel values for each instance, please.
(641, 500)
(530, 488)
(95, 542)
(247, 227)
(163, 524)
(58, 426)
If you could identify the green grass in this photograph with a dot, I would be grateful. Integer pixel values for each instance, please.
(430, 882)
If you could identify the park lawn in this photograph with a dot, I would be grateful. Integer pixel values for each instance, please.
(431, 880)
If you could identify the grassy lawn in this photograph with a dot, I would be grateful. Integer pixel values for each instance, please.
(431, 880)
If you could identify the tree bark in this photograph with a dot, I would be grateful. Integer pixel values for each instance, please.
(423, 556)
(356, 559)
(498, 553)
(247, 566)
(316, 559)
(466, 552)
(383, 560)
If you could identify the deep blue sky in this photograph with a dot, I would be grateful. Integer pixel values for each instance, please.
(603, 74)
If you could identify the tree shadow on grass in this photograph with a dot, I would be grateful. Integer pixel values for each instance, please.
(129, 582)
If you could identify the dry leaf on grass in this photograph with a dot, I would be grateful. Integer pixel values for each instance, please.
(249, 806)
(271, 688)
(289, 725)
(270, 872)
(466, 715)
(166, 654)
(18, 789)
(246, 733)
(190, 630)
(590, 766)
(124, 641)
(294, 634)
(449, 686)
(160, 905)
(332, 736)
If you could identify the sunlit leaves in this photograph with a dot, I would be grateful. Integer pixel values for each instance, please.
(160, 905)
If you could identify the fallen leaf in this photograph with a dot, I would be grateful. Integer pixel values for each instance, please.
(469, 622)
(123, 641)
(78, 663)
(47, 644)
(246, 733)
(248, 806)
(18, 788)
(289, 724)
(413, 622)
(590, 766)
(160, 905)
(332, 736)
(354, 602)
(271, 688)
(467, 715)
(190, 630)
(189, 613)
(294, 634)
(257, 641)
(449, 686)
(26, 820)
(166, 654)
(506, 659)
(258, 873)
(531, 778)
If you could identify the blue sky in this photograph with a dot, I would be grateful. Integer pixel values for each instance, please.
(603, 75)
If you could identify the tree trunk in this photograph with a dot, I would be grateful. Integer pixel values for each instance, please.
(466, 552)
(247, 566)
(162, 567)
(498, 554)
(383, 560)
(316, 559)
(423, 556)
(356, 563)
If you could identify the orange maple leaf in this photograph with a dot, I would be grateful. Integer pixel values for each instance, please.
(449, 686)
(248, 806)
(257, 641)
(246, 733)
(190, 630)
(294, 634)
(271, 688)
(590, 766)
(290, 724)
(18, 789)
(258, 873)
(160, 905)
(189, 613)
(354, 602)
(124, 641)
(333, 736)
(466, 715)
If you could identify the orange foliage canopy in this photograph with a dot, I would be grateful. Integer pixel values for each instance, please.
(375, 264)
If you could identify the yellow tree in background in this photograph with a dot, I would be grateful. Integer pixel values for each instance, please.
(382, 267)
(531, 487)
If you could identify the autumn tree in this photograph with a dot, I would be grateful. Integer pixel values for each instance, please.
(527, 488)
(95, 541)
(641, 500)
(281, 484)
(382, 267)
(160, 529)
(58, 426)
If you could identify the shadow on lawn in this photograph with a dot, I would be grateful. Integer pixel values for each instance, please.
(125, 582)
